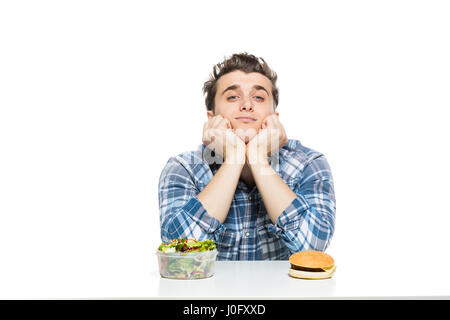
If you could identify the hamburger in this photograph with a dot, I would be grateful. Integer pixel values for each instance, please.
(311, 264)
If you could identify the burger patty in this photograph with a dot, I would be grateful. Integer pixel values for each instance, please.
(306, 269)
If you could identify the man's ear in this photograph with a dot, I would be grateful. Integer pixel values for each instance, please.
(277, 113)
(209, 114)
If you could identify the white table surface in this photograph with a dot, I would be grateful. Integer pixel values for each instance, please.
(355, 277)
(270, 280)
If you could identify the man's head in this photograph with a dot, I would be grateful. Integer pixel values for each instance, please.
(242, 85)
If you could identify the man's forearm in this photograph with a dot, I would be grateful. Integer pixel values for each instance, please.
(217, 196)
(275, 193)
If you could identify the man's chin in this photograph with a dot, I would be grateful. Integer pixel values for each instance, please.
(246, 134)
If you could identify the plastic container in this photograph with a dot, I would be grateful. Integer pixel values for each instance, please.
(187, 265)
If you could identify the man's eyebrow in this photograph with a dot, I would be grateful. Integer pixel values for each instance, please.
(233, 87)
(236, 86)
(258, 87)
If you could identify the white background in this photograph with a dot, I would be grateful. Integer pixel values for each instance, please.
(95, 96)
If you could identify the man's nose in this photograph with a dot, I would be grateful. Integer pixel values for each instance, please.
(247, 105)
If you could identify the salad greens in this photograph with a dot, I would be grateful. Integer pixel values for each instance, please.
(187, 259)
(187, 245)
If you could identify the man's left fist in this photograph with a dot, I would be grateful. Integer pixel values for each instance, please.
(268, 141)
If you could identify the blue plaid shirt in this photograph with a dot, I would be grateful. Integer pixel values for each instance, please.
(248, 233)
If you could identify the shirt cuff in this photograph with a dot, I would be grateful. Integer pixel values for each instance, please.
(291, 217)
(202, 218)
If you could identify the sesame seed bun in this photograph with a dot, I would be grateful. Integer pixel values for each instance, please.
(311, 259)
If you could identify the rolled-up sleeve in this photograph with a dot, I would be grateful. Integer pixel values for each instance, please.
(308, 222)
(182, 215)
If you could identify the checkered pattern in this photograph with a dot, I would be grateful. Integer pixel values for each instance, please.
(248, 233)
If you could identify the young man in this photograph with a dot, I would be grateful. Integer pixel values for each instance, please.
(255, 208)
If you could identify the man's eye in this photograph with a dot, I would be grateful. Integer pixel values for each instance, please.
(259, 98)
(232, 98)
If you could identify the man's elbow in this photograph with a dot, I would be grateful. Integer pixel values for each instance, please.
(170, 229)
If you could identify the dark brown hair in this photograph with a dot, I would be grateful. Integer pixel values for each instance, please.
(239, 61)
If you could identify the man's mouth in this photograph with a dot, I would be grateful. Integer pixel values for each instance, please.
(245, 119)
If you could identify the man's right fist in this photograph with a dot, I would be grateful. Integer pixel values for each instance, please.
(219, 137)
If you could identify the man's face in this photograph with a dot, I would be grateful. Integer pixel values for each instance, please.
(240, 95)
